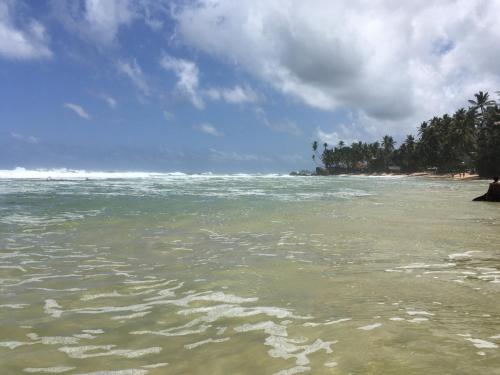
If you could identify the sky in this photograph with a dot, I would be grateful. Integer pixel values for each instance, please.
(230, 86)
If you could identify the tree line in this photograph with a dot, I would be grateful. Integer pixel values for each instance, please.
(468, 140)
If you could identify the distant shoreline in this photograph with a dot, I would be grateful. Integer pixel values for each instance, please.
(429, 175)
(446, 176)
(449, 176)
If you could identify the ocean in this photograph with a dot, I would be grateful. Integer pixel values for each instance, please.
(157, 273)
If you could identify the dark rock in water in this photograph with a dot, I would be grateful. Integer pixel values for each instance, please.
(493, 193)
(487, 198)
(322, 171)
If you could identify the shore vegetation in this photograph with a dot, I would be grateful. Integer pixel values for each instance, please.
(468, 140)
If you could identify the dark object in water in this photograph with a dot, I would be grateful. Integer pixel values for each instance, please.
(493, 193)
(322, 171)
(487, 198)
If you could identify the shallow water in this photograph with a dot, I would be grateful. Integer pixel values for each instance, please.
(157, 274)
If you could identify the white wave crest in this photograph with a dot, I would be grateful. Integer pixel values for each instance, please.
(80, 174)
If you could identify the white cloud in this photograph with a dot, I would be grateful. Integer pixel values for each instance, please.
(168, 115)
(110, 101)
(77, 109)
(26, 139)
(100, 21)
(234, 95)
(209, 129)
(95, 20)
(223, 156)
(393, 64)
(188, 84)
(133, 71)
(332, 138)
(286, 126)
(28, 40)
(187, 74)
(105, 17)
(351, 133)
(154, 13)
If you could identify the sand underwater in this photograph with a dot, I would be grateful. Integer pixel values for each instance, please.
(205, 274)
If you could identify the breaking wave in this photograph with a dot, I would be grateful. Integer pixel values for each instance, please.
(80, 174)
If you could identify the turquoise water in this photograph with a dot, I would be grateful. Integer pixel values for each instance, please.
(175, 274)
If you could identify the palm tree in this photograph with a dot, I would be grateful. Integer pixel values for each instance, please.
(315, 149)
(328, 158)
(410, 141)
(422, 128)
(482, 102)
(470, 138)
(463, 133)
(388, 143)
(407, 154)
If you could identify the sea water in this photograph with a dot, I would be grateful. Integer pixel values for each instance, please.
(139, 273)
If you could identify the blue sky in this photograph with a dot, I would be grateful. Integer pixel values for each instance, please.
(225, 86)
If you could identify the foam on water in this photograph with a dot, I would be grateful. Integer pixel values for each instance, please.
(53, 340)
(412, 312)
(284, 347)
(417, 320)
(181, 268)
(132, 371)
(75, 174)
(293, 370)
(156, 365)
(482, 344)
(80, 174)
(462, 256)
(370, 326)
(331, 364)
(81, 352)
(327, 323)
(52, 308)
(13, 344)
(15, 305)
(203, 342)
(49, 370)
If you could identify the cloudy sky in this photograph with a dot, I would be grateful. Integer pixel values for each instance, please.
(224, 85)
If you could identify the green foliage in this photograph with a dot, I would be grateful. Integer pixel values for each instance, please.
(488, 158)
(467, 140)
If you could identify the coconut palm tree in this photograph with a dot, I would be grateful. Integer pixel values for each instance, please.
(407, 154)
(470, 138)
(315, 149)
(463, 133)
(482, 102)
(410, 142)
(388, 144)
(316, 156)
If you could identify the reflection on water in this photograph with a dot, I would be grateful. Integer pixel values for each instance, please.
(248, 275)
